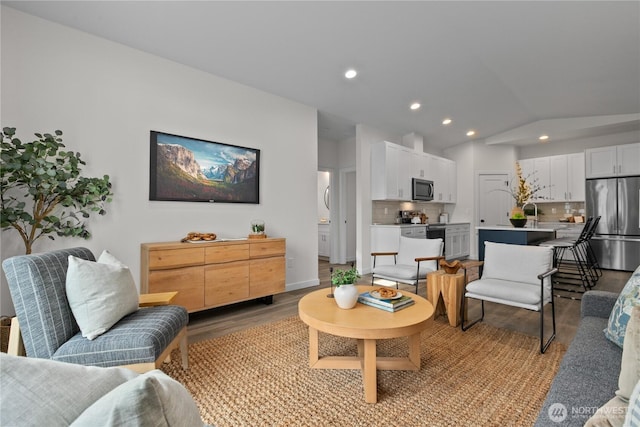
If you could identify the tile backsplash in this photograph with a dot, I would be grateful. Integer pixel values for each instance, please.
(554, 211)
(547, 211)
(385, 212)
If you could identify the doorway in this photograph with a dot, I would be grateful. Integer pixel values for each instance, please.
(324, 214)
(494, 202)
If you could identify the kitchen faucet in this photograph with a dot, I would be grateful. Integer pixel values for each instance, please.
(535, 212)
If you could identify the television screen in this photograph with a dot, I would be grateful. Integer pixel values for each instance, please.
(194, 170)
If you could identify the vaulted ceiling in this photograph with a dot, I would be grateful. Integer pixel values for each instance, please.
(503, 69)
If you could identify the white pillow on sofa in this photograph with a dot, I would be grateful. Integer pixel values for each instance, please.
(151, 399)
(100, 293)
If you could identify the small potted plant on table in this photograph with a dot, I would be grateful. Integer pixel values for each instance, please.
(346, 294)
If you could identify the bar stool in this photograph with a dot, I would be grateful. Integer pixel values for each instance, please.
(573, 260)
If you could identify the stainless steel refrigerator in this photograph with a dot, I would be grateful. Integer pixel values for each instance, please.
(617, 240)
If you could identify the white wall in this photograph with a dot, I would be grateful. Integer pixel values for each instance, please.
(106, 98)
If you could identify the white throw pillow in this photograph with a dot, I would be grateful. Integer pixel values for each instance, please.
(100, 293)
(151, 399)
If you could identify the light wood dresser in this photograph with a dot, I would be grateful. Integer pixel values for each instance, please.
(214, 274)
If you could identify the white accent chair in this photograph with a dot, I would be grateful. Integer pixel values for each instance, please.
(413, 261)
(515, 275)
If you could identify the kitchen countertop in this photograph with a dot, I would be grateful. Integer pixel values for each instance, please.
(512, 228)
(417, 225)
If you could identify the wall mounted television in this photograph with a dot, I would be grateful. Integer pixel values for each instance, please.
(194, 170)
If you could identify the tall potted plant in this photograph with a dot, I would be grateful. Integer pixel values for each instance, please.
(346, 294)
(42, 191)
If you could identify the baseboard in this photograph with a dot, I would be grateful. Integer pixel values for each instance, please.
(301, 285)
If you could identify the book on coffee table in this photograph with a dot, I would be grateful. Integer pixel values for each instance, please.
(386, 304)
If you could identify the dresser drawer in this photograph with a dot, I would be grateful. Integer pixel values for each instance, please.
(267, 249)
(173, 258)
(226, 253)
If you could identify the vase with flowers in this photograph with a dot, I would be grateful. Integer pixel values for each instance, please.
(522, 189)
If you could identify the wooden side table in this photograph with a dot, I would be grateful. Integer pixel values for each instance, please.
(444, 291)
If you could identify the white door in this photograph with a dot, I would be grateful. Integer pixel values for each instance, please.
(350, 222)
(494, 204)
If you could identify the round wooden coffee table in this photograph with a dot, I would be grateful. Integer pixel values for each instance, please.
(366, 324)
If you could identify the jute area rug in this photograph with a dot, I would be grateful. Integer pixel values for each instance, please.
(261, 377)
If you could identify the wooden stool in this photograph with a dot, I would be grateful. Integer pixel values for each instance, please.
(450, 288)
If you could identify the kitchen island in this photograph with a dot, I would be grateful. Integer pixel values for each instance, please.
(512, 235)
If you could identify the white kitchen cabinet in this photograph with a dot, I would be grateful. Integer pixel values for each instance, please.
(429, 163)
(440, 186)
(561, 178)
(393, 166)
(536, 173)
(457, 239)
(324, 240)
(452, 180)
(558, 177)
(419, 165)
(575, 177)
(444, 181)
(541, 178)
(628, 157)
(566, 178)
(391, 169)
(616, 160)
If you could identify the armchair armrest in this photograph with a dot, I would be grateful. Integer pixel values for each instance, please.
(383, 253)
(429, 258)
(160, 298)
(547, 273)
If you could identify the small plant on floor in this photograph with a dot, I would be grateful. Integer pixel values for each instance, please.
(344, 277)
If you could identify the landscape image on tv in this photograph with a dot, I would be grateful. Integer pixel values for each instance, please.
(194, 170)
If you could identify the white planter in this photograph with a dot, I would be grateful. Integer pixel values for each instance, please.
(346, 296)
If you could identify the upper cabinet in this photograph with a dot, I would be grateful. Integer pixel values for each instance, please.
(444, 185)
(393, 166)
(616, 160)
(560, 177)
(536, 172)
(566, 175)
(391, 169)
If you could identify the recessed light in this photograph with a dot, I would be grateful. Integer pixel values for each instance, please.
(543, 138)
(351, 73)
(471, 132)
(447, 121)
(415, 106)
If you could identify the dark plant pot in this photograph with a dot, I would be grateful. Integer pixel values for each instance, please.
(518, 222)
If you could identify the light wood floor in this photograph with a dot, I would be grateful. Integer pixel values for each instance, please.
(226, 320)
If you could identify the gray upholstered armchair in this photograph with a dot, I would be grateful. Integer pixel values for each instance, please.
(141, 340)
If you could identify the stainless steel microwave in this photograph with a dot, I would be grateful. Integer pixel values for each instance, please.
(421, 189)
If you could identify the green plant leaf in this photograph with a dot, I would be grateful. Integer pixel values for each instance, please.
(51, 180)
